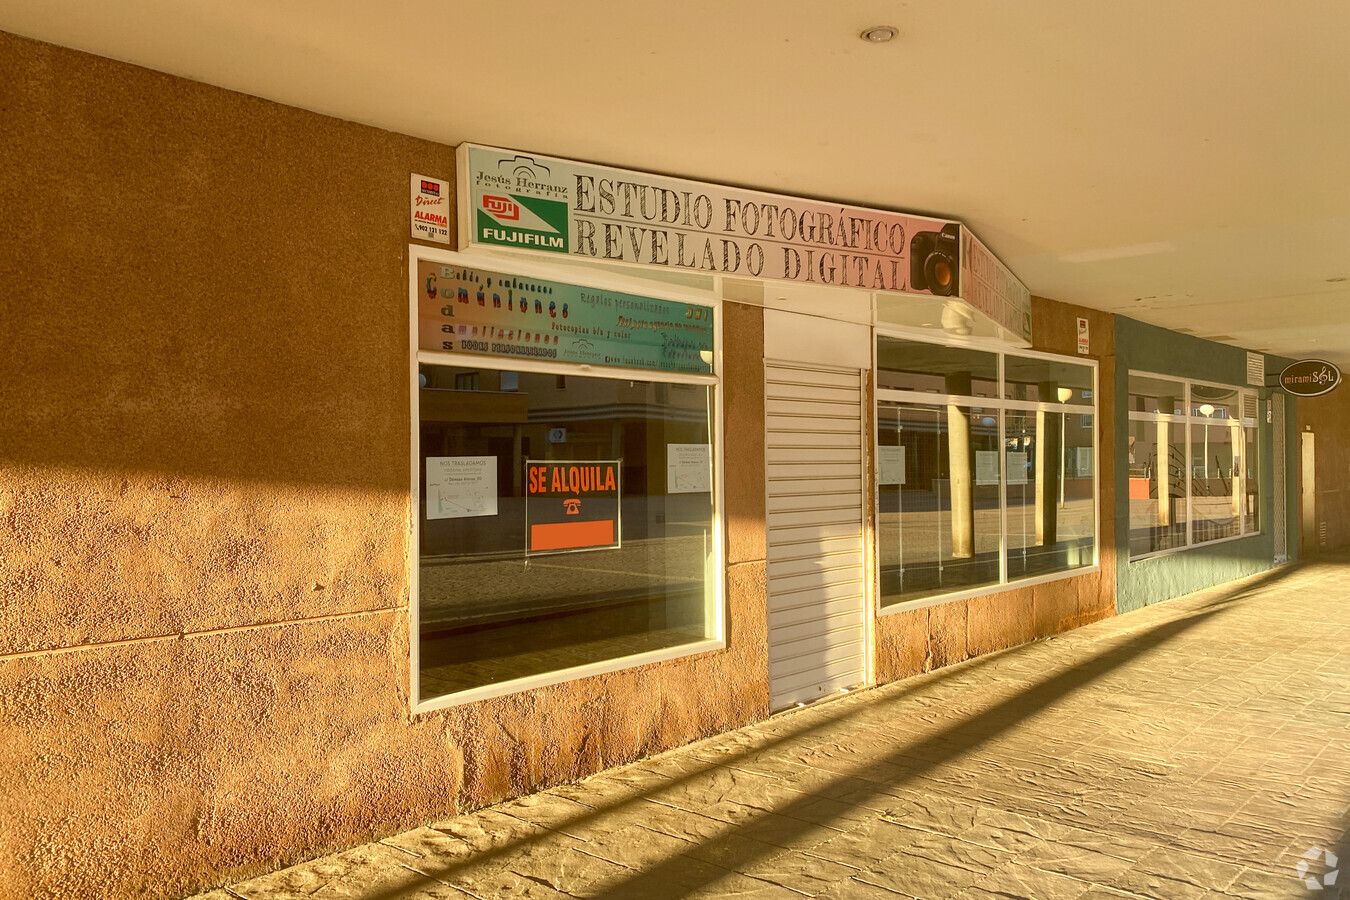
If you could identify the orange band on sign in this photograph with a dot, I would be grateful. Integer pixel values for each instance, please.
(572, 535)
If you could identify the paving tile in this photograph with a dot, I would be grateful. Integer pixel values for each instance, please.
(854, 889)
(1017, 880)
(1254, 885)
(733, 851)
(369, 871)
(1077, 862)
(636, 847)
(668, 820)
(574, 872)
(920, 877)
(549, 810)
(787, 832)
(428, 842)
(865, 846)
(801, 872)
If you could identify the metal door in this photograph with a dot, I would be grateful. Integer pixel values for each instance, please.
(817, 561)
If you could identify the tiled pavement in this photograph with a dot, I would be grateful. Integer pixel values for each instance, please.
(1194, 749)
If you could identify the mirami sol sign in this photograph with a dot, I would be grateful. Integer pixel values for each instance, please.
(549, 205)
(1310, 378)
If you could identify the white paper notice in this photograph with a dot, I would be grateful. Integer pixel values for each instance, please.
(461, 486)
(986, 467)
(890, 465)
(688, 468)
(430, 209)
(1017, 467)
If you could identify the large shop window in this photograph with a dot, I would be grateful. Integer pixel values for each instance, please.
(1193, 475)
(567, 523)
(985, 477)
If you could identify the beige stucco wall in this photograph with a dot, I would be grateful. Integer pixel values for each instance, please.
(920, 640)
(204, 501)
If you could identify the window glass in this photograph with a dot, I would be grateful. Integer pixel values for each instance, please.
(1046, 380)
(1212, 433)
(1251, 492)
(1216, 505)
(1157, 395)
(527, 566)
(1049, 485)
(938, 483)
(915, 366)
(1157, 485)
(1215, 402)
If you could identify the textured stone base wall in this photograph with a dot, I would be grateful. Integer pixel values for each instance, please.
(204, 502)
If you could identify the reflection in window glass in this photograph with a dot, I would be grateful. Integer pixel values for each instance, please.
(1210, 435)
(1157, 485)
(932, 368)
(490, 612)
(1157, 395)
(1216, 504)
(1046, 380)
(1051, 505)
(1215, 402)
(1251, 509)
(938, 484)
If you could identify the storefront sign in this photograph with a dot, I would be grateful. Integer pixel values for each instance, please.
(459, 487)
(688, 468)
(430, 203)
(1310, 378)
(986, 467)
(471, 310)
(891, 465)
(557, 206)
(992, 288)
(572, 505)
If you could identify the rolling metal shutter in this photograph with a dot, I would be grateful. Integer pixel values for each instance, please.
(814, 462)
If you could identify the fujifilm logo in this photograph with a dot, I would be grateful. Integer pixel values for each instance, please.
(492, 235)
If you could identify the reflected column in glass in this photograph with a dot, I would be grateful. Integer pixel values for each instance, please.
(931, 543)
(1050, 500)
(1214, 497)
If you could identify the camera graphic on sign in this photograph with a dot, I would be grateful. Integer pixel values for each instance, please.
(934, 261)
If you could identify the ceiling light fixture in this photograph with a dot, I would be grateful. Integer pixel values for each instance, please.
(879, 34)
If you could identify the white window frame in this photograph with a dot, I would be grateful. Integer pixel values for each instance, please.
(1188, 418)
(602, 280)
(1002, 405)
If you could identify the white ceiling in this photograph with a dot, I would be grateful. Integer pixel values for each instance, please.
(1182, 163)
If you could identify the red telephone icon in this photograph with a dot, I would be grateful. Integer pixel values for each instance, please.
(572, 506)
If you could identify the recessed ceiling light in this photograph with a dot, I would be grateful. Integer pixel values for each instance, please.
(878, 34)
